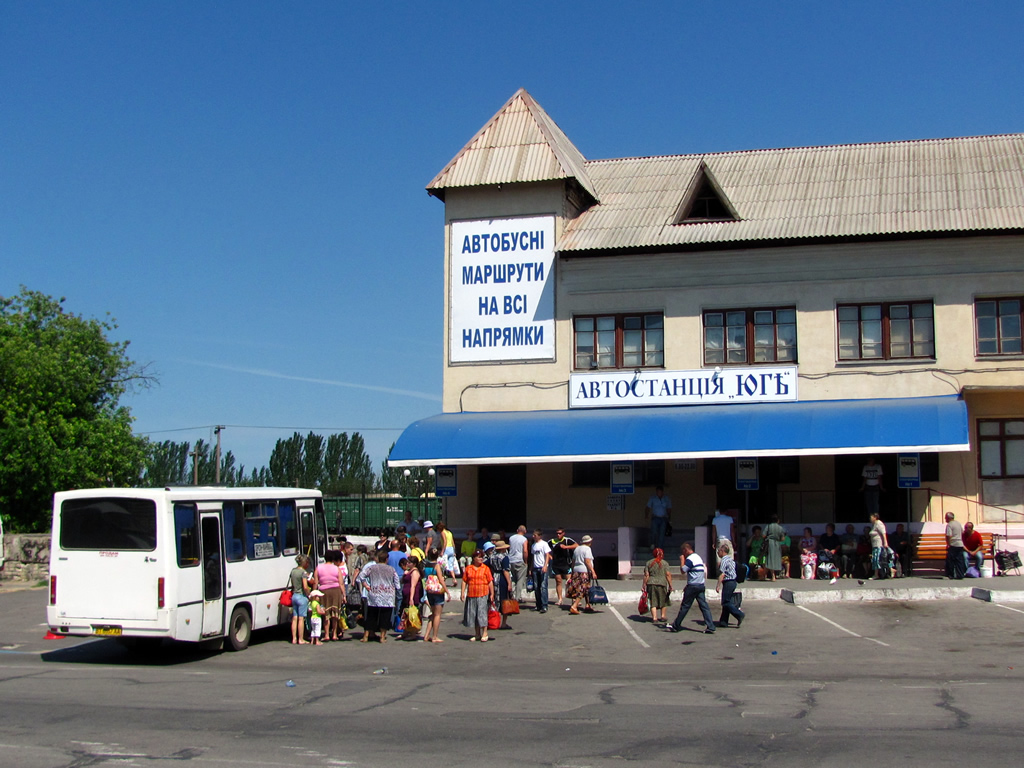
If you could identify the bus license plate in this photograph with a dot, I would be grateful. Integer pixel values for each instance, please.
(107, 631)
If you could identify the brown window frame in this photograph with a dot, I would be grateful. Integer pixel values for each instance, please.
(620, 330)
(998, 339)
(1002, 439)
(885, 320)
(750, 335)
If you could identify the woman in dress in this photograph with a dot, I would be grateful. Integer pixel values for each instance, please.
(775, 535)
(658, 585)
(412, 591)
(437, 593)
(501, 570)
(382, 584)
(808, 554)
(330, 578)
(298, 580)
(477, 596)
(582, 572)
(879, 539)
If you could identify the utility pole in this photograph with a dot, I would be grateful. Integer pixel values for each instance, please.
(216, 467)
(195, 464)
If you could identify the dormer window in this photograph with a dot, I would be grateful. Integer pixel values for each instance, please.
(704, 201)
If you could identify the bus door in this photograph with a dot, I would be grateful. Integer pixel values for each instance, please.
(213, 575)
(312, 538)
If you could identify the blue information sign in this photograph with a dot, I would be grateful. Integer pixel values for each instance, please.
(446, 481)
(908, 470)
(622, 477)
(746, 475)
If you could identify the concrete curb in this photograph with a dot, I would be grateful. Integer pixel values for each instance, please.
(876, 594)
(997, 595)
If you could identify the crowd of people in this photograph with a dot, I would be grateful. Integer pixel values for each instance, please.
(402, 583)
(873, 554)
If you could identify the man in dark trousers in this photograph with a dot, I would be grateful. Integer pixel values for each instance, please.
(692, 567)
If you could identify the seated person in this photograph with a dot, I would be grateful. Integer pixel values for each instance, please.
(469, 546)
(848, 552)
(974, 547)
(864, 554)
(756, 551)
(787, 552)
(828, 549)
(808, 554)
(899, 542)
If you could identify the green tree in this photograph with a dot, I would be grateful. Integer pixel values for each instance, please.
(61, 422)
(338, 465)
(167, 464)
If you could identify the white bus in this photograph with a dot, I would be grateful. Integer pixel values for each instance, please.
(190, 563)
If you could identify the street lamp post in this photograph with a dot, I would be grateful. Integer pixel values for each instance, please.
(421, 481)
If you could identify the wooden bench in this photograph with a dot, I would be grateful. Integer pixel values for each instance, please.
(932, 547)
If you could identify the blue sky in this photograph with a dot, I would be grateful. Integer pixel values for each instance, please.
(241, 185)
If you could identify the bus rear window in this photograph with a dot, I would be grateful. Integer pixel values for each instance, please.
(108, 524)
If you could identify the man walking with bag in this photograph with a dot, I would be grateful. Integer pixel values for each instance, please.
(693, 569)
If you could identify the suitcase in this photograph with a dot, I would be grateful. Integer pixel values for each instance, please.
(1007, 559)
(597, 596)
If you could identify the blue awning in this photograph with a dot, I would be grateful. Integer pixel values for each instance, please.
(822, 427)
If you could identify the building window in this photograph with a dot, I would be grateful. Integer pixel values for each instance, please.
(745, 336)
(620, 341)
(1001, 448)
(997, 325)
(886, 331)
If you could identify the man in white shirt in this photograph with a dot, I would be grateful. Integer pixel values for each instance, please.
(871, 485)
(518, 559)
(659, 509)
(692, 567)
(541, 564)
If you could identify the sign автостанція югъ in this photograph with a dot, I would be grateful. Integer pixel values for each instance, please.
(616, 389)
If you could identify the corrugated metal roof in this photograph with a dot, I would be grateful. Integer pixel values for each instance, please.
(940, 185)
(520, 143)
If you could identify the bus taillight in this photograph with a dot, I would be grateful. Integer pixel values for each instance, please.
(53, 590)
(160, 592)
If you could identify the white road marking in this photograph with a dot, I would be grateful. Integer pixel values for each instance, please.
(840, 626)
(628, 628)
(1015, 610)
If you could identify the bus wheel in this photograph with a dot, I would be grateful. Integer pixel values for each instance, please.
(239, 629)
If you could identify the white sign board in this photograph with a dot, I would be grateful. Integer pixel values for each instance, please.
(502, 290)
(705, 386)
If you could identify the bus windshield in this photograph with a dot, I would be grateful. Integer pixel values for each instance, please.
(108, 524)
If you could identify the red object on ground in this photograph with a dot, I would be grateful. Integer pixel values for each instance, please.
(51, 636)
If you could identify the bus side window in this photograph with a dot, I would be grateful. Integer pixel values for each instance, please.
(234, 532)
(288, 531)
(186, 535)
(261, 531)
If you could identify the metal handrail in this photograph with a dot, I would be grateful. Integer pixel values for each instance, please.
(979, 504)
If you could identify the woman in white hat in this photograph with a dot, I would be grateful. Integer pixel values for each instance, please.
(582, 573)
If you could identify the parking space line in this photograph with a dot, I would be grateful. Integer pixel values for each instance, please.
(840, 626)
(628, 628)
(1015, 610)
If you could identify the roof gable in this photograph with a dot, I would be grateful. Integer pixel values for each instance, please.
(704, 200)
(521, 143)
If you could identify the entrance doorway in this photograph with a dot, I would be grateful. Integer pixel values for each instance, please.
(501, 500)
(850, 500)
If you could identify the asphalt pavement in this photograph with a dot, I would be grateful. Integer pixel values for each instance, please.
(919, 682)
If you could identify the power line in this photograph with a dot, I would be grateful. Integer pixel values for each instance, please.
(257, 426)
